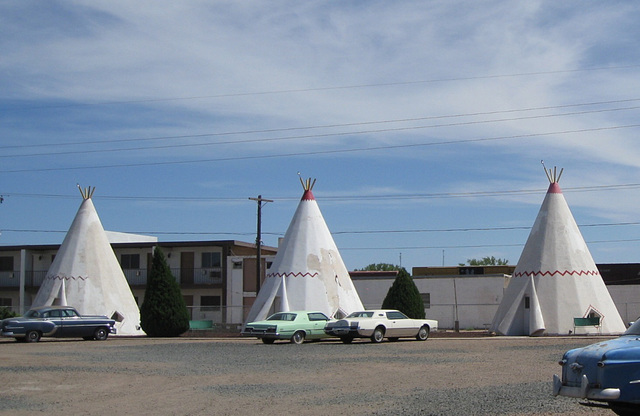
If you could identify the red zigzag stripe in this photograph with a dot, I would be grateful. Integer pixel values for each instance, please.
(66, 277)
(564, 273)
(299, 274)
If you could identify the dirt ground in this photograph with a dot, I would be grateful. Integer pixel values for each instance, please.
(237, 376)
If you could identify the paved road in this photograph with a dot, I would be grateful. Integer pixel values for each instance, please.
(193, 376)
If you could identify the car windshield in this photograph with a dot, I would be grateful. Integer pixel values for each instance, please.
(283, 316)
(634, 329)
(361, 315)
(31, 314)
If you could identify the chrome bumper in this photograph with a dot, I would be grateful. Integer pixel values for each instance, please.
(260, 333)
(584, 391)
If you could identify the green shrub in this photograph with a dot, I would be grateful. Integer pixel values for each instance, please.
(6, 313)
(163, 312)
(404, 296)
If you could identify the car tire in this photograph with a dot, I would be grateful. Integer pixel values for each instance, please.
(346, 340)
(32, 336)
(423, 333)
(378, 335)
(297, 337)
(101, 334)
(267, 340)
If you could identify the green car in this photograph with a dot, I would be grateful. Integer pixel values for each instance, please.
(296, 326)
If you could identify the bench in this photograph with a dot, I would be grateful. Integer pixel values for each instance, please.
(200, 325)
(582, 322)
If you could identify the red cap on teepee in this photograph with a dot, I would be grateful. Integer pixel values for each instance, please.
(308, 186)
(554, 178)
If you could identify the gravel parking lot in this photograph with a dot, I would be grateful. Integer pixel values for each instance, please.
(235, 376)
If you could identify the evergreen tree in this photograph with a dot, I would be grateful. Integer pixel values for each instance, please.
(163, 312)
(404, 296)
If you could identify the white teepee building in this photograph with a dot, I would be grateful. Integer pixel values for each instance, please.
(86, 274)
(308, 272)
(556, 279)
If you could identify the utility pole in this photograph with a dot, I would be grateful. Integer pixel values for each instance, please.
(259, 200)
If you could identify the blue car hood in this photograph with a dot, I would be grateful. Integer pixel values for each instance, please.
(626, 347)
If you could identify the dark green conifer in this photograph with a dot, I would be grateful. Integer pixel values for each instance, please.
(404, 296)
(163, 312)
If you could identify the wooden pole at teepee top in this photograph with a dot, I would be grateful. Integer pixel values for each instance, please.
(86, 193)
(552, 175)
(307, 185)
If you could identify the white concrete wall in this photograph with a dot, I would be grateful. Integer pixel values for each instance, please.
(627, 300)
(477, 298)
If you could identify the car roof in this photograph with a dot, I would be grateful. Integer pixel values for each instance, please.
(51, 307)
(298, 312)
(376, 310)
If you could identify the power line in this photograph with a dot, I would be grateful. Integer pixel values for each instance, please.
(429, 230)
(330, 88)
(324, 152)
(354, 124)
(327, 197)
(346, 133)
(633, 240)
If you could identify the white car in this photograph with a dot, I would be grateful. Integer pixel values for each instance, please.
(380, 324)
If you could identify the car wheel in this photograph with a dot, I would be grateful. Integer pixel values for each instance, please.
(101, 334)
(423, 333)
(346, 340)
(378, 334)
(32, 336)
(297, 338)
(267, 340)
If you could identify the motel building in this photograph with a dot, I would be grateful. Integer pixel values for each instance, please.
(218, 280)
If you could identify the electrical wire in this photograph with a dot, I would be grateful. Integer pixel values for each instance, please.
(321, 152)
(354, 124)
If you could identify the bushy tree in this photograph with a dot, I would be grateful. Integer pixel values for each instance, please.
(6, 313)
(380, 267)
(163, 312)
(487, 261)
(404, 296)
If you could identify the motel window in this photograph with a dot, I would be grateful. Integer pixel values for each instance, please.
(210, 260)
(426, 299)
(527, 302)
(209, 303)
(6, 302)
(6, 264)
(130, 261)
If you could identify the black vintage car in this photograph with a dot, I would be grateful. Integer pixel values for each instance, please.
(56, 321)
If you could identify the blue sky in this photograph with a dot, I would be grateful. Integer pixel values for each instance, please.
(424, 122)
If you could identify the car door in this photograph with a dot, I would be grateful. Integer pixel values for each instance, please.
(72, 326)
(55, 317)
(399, 325)
(317, 321)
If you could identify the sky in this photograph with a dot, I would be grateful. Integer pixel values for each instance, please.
(425, 123)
